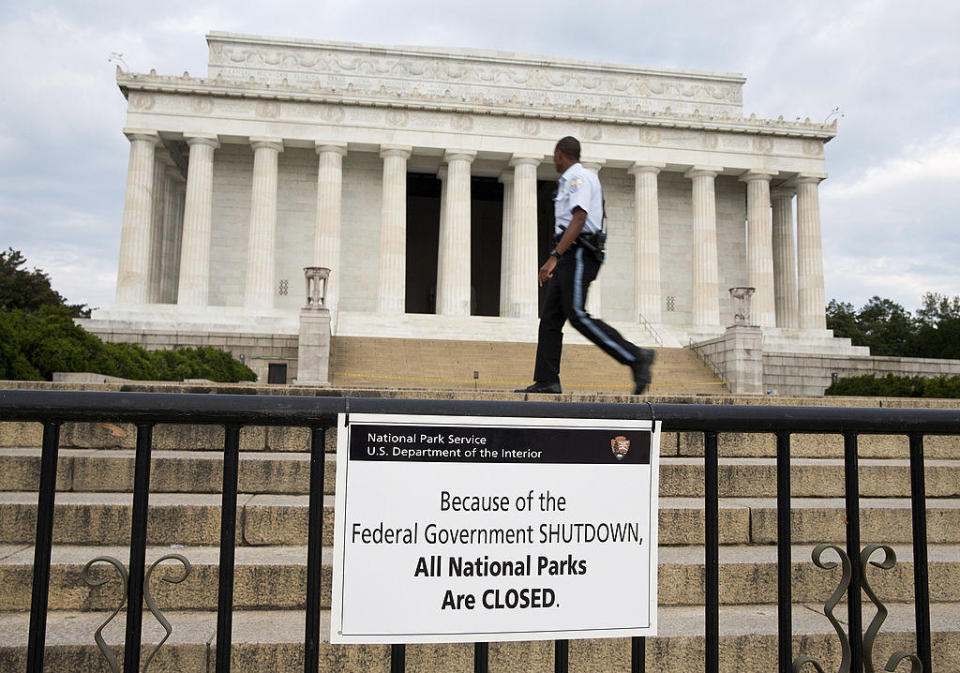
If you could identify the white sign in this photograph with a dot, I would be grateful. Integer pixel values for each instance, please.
(463, 529)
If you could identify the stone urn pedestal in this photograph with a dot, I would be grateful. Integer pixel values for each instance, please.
(313, 348)
(743, 347)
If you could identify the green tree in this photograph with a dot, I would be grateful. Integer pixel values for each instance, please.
(937, 308)
(938, 328)
(887, 327)
(30, 290)
(842, 319)
(883, 325)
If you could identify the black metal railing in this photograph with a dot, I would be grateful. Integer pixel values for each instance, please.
(53, 408)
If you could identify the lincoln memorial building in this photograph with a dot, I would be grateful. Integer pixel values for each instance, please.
(423, 179)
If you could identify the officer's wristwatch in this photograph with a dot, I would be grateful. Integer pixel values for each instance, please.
(554, 253)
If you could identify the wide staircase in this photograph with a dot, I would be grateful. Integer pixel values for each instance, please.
(93, 511)
(431, 364)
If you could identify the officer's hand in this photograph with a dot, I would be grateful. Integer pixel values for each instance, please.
(546, 271)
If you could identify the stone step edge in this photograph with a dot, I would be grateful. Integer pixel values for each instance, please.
(71, 628)
(66, 498)
(296, 555)
(331, 457)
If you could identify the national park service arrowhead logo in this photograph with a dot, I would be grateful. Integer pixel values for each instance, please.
(620, 445)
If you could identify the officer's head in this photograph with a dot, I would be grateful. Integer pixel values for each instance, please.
(566, 153)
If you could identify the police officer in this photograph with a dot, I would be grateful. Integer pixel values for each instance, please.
(568, 272)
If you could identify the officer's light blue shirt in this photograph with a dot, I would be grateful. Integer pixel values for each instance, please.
(578, 187)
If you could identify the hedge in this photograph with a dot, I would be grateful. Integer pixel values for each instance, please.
(897, 386)
(33, 345)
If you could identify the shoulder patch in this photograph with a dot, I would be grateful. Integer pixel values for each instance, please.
(575, 184)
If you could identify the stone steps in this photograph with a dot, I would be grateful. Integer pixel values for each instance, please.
(272, 640)
(274, 577)
(111, 470)
(437, 363)
(194, 519)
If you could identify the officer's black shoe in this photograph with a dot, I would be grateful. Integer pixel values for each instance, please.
(641, 369)
(540, 387)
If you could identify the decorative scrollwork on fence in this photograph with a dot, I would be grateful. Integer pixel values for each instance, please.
(835, 597)
(97, 637)
(869, 638)
(147, 595)
(151, 604)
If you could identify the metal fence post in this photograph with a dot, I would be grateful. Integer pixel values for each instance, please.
(138, 546)
(784, 557)
(854, 600)
(311, 642)
(41, 551)
(921, 583)
(228, 541)
(711, 554)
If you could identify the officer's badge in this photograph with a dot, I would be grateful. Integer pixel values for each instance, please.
(620, 446)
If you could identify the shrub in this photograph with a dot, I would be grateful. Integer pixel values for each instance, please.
(897, 386)
(34, 345)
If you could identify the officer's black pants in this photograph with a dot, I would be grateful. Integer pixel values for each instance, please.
(566, 296)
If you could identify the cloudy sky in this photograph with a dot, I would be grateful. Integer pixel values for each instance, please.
(889, 209)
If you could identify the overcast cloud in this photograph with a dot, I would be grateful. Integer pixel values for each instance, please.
(889, 209)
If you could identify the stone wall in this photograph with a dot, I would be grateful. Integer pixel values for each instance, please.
(736, 357)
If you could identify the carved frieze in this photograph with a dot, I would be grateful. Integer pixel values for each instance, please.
(142, 101)
(268, 109)
(649, 136)
(172, 112)
(331, 113)
(529, 127)
(763, 145)
(813, 148)
(591, 132)
(471, 77)
(203, 105)
(462, 123)
(397, 117)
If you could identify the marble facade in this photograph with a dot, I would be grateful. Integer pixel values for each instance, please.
(299, 153)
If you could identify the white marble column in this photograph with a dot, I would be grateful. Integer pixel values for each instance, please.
(259, 287)
(326, 239)
(647, 235)
(784, 258)
(706, 300)
(453, 267)
(812, 311)
(506, 241)
(594, 305)
(172, 228)
(391, 294)
(133, 272)
(760, 247)
(522, 288)
(194, 283)
(157, 220)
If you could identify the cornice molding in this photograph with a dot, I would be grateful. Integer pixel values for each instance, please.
(152, 83)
